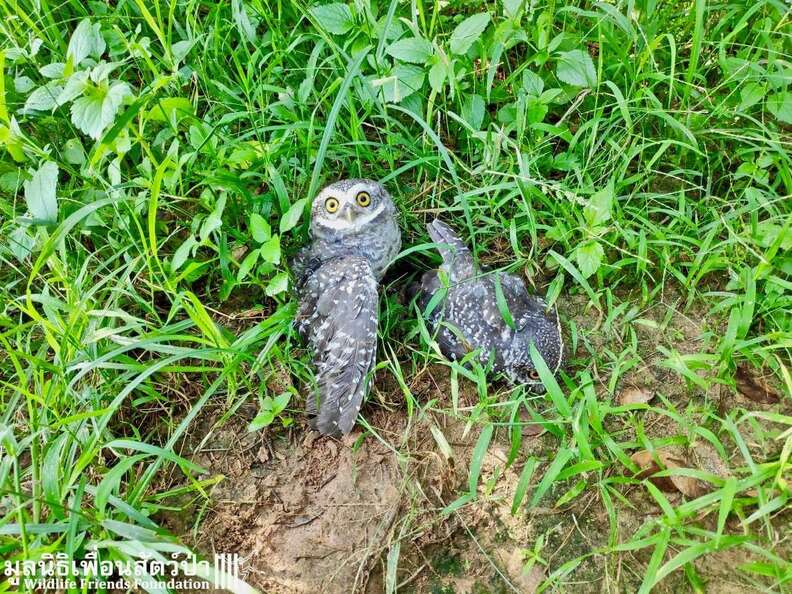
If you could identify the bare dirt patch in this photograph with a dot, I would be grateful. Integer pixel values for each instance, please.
(312, 514)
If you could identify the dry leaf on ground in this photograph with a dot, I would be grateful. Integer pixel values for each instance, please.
(753, 386)
(634, 395)
(686, 485)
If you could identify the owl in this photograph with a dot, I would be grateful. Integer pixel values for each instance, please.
(467, 317)
(354, 237)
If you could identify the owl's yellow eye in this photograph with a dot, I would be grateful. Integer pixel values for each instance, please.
(331, 205)
(363, 199)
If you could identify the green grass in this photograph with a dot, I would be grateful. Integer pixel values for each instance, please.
(632, 160)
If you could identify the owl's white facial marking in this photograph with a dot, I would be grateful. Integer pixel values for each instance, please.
(348, 214)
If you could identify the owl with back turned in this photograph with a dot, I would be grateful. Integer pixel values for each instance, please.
(466, 314)
(354, 237)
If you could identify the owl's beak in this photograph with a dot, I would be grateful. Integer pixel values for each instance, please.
(349, 213)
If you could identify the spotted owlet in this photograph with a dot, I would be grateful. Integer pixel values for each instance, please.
(466, 315)
(354, 237)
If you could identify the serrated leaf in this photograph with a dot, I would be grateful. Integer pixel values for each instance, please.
(43, 99)
(96, 110)
(259, 228)
(336, 18)
(292, 216)
(576, 68)
(85, 41)
(468, 32)
(598, 209)
(473, 110)
(278, 284)
(413, 49)
(73, 88)
(589, 257)
(40, 197)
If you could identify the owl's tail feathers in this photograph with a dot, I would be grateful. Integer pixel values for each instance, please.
(457, 259)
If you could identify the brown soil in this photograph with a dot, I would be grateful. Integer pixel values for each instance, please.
(313, 514)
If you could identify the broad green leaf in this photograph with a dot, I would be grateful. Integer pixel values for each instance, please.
(247, 265)
(437, 76)
(242, 20)
(751, 94)
(292, 216)
(271, 251)
(171, 109)
(21, 243)
(259, 228)
(535, 110)
(576, 68)
(278, 284)
(182, 253)
(40, 197)
(73, 152)
(478, 458)
(336, 17)
(768, 233)
(556, 466)
(589, 257)
(532, 83)
(598, 209)
(468, 32)
(85, 41)
(473, 111)
(413, 49)
(522, 484)
(23, 84)
(511, 7)
(215, 219)
(402, 80)
(780, 105)
(53, 70)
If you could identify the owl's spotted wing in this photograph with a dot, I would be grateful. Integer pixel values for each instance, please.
(338, 317)
(523, 306)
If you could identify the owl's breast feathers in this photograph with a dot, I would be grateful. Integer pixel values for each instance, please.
(379, 242)
(338, 317)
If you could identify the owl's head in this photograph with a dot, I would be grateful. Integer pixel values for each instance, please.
(350, 205)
